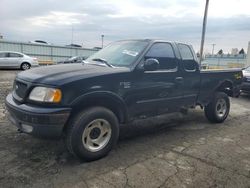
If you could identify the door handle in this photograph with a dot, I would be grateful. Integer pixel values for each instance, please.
(179, 79)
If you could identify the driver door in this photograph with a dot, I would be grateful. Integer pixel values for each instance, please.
(158, 91)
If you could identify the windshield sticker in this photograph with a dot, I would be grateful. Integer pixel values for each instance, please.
(130, 52)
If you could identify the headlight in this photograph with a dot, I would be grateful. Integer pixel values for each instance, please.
(44, 94)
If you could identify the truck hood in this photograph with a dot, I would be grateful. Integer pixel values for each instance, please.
(60, 74)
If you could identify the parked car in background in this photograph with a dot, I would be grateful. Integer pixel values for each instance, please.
(74, 45)
(40, 42)
(75, 59)
(204, 65)
(17, 60)
(245, 88)
(97, 48)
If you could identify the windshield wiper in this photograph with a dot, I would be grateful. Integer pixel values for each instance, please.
(102, 61)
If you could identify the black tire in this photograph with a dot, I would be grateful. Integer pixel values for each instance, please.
(211, 110)
(25, 66)
(75, 133)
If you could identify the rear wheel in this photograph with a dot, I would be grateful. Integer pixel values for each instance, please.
(25, 66)
(92, 134)
(218, 109)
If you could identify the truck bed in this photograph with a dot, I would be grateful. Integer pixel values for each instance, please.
(212, 79)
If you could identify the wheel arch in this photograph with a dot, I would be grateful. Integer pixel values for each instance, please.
(226, 86)
(105, 99)
(25, 62)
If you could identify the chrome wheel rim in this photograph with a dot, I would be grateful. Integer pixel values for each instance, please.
(25, 66)
(221, 108)
(96, 135)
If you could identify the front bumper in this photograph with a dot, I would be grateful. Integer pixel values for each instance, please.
(37, 121)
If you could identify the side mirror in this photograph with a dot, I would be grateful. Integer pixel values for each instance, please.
(151, 64)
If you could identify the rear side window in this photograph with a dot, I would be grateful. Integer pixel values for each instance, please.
(189, 62)
(185, 51)
(164, 53)
(2, 55)
(15, 55)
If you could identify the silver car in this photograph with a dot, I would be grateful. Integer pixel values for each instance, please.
(17, 60)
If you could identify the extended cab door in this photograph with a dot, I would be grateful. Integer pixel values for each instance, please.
(158, 91)
(191, 74)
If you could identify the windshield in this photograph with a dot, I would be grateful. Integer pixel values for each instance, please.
(120, 54)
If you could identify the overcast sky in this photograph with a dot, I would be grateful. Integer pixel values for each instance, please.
(176, 20)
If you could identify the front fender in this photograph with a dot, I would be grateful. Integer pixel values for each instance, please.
(103, 97)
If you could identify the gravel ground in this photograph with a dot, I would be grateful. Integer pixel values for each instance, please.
(167, 151)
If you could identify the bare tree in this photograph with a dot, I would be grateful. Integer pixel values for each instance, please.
(220, 52)
(242, 51)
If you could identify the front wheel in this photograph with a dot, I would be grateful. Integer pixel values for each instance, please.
(92, 134)
(218, 109)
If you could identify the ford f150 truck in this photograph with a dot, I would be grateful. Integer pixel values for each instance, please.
(85, 103)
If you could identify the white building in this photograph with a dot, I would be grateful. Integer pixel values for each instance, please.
(234, 51)
(43, 52)
(248, 55)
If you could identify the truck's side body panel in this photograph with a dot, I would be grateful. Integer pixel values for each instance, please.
(213, 79)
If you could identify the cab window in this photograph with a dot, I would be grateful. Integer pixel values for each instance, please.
(189, 63)
(164, 53)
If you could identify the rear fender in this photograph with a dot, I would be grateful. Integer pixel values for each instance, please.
(226, 86)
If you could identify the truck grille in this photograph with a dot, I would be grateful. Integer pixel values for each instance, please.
(20, 89)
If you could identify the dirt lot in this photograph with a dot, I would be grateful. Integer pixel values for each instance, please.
(168, 151)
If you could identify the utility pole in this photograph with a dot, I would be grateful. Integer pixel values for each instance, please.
(203, 30)
(72, 38)
(213, 49)
(102, 39)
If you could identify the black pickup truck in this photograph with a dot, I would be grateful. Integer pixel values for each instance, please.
(85, 103)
